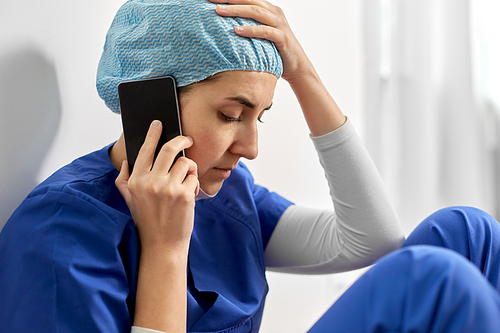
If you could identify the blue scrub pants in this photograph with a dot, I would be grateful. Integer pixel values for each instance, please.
(446, 278)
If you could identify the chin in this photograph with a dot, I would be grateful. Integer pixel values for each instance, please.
(211, 189)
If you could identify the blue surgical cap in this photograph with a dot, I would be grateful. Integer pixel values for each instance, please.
(186, 39)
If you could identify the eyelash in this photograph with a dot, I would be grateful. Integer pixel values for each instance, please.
(230, 119)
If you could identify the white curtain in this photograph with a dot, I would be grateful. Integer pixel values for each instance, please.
(427, 129)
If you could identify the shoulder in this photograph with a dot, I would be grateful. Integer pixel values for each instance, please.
(81, 194)
(59, 243)
(87, 174)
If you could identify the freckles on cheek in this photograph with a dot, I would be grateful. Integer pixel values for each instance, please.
(210, 148)
(205, 151)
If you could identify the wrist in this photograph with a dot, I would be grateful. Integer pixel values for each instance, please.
(320, 110)
(306, 77)
(167, 254)
(303, 70)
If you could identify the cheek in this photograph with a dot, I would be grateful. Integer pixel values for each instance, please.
(209, 147)
(211, 138)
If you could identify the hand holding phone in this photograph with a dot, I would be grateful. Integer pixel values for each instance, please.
(141, 102)
(160, 203)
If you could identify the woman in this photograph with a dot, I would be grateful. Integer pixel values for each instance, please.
(82, 254)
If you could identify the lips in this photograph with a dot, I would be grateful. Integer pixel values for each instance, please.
(223, 173)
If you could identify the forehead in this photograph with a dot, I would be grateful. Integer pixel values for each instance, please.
(255, 86)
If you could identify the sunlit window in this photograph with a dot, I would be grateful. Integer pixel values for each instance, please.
(386, 30)
(486, 49)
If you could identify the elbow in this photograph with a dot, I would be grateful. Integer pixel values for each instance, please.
(385, 244)
(395, 242)
(389, 237)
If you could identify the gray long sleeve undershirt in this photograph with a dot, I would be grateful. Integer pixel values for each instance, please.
(362, 227)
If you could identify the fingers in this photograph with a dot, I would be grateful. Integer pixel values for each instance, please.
(168, 153)
(166, 157)
(265, 14)
(274, 24)
(192, 181)
(145, 157)
(260, 3)
(274, 27)
(182, 170)
(184, 173)
(262, 31)
(258, 13)
(161, 202)
(122, 180)
(162, 173)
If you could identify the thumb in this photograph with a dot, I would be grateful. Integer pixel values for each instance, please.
(121, 181)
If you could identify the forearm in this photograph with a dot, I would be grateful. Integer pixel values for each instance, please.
(365, 214)
(320, 110)
(363, 227)
(161, 292)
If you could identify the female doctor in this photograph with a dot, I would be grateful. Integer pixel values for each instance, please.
(95, 248)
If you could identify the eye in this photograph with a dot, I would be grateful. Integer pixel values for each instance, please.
(229, 119)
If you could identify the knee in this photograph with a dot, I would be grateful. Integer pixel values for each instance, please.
(417, 288)
(422, 260)
(424, 267)
(422, 271)
(447, 285)
(449, 226)
(452, 217)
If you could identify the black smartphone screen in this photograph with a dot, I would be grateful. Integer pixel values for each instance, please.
(141, 102)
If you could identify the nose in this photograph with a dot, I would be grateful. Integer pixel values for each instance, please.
(246, 142)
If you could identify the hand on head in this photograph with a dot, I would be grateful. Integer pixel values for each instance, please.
(275, 28)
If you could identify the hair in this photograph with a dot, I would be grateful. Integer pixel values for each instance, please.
(184, 91)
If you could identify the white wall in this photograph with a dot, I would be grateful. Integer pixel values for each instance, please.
(49, 108)
(50, 114)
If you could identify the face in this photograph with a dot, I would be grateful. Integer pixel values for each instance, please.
(222, 116)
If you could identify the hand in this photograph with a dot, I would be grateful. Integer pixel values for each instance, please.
(320, 110)
(161, 201)
(275, 28)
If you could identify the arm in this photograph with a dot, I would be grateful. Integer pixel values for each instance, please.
(162, 206)
(362, 228)
(320, 110)
(364, 225)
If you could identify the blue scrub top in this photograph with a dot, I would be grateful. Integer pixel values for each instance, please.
(69, 255)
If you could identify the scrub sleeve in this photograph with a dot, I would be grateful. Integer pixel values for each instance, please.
(69, 255)
(450, 284)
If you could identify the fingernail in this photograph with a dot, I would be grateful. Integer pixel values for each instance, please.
(239, 29)
(221, 8)
(190, 139)
(155, 123)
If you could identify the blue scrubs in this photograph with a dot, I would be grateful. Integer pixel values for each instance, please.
(69, 260)
(444, 279)
(69, 255)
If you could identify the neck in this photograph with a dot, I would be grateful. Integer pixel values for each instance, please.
(117, 154)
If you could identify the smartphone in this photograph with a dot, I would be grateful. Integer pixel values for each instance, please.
(141, 102)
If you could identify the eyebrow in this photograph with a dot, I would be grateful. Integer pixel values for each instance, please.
(244, 101)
